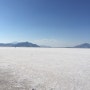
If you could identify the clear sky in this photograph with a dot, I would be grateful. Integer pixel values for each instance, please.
(45, 22)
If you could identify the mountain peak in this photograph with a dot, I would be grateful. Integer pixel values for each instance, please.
(84, 45)
(19, 44)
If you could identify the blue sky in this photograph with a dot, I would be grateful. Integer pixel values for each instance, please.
(45, 22)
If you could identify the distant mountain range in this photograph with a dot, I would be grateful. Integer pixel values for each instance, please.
(19, 44)
(84, 45)
(28, 44)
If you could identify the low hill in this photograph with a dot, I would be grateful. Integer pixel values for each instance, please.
(84, 45)
(19, 44)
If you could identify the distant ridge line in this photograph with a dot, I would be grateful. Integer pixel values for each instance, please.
(84, 45)
(19, 44)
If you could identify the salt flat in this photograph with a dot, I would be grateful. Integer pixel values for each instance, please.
(44, 69)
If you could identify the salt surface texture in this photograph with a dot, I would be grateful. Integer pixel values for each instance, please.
(44, 69)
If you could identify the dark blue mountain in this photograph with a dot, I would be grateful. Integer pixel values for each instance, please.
(19, 44)
(84, 45)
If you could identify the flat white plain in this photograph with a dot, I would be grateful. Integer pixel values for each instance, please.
(44, 69)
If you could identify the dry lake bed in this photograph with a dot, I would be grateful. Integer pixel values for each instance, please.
(44, 69)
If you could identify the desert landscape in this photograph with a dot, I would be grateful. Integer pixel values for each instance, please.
(44, 68)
